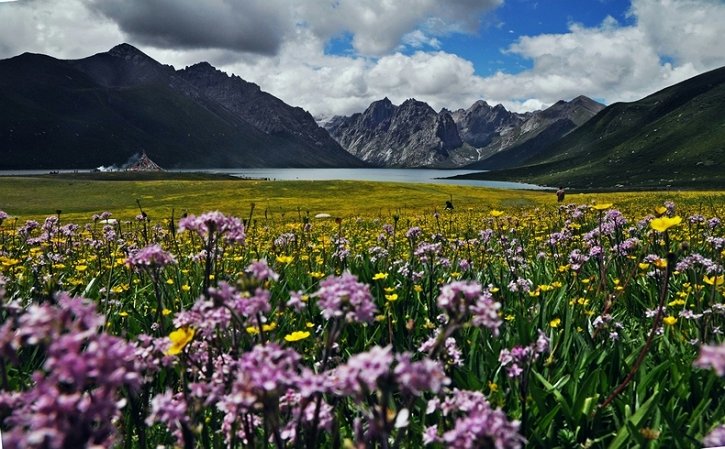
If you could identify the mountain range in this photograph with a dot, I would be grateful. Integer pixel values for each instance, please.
(104, 109)
(480, 137)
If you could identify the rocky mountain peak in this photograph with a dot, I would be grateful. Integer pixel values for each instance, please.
(410, 135)
(478, 105)
(378, 112)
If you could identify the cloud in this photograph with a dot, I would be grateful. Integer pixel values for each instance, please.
(256, 26)
(62, 28)
(378, 26)
(688, 31)
(670, 41)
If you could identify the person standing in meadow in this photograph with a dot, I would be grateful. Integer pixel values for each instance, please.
(560, 194)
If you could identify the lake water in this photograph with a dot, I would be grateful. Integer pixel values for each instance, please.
(419, 175)
(431, 176)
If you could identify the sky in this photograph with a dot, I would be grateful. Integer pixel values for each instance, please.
(335, 57)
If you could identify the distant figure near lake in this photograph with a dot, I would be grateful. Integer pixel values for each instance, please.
(560, 194)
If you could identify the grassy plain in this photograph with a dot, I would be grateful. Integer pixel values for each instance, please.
(78, 197)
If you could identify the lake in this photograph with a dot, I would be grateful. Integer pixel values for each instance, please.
(419, 175)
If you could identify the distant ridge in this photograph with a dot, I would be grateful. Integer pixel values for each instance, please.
(100, 110)
(414, 135)
(674, 137)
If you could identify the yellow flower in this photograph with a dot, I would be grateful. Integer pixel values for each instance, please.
(496, 213)
(556, 322)
(492, 387)
(664, 223)
(418, 288)
(660, 210)
(546, 287)
(317, 274)
(392, 297)
(714, 280)
(380, 276)
(285, 259)
(170, 281)
(661, 263)
(179, 339)
(643, 265)
(509, 317)
(296, 336)
(185, 287)
(309, 325)
(123, 314)
(669, 320)
(166, 312)
(602, 206)
(81, 268)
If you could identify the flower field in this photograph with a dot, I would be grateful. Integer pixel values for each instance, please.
(572, 326)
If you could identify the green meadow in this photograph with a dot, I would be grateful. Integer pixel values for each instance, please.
(79, 196)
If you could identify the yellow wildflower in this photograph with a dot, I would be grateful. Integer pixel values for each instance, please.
(392, 297)
(380, 276)
(496, 213)
(556, 322)
(664, 223)
(660, 210)
(185, 288)
(602, 206)
(669, 320)
(714, 280)
(166, 312)
(296, 336)
(179, 339)
(285, 259)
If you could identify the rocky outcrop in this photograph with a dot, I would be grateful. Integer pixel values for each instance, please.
(409, 135)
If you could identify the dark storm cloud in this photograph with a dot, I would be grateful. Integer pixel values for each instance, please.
(256, 26)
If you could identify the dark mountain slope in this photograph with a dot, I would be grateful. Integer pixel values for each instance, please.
(103, 109)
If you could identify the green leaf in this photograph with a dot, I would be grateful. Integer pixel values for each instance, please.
(634, 420)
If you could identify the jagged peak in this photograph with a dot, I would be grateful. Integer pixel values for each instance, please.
(203, 65)
(413, 103)
(479, 104)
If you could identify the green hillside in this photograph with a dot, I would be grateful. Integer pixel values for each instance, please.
(673, 137)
